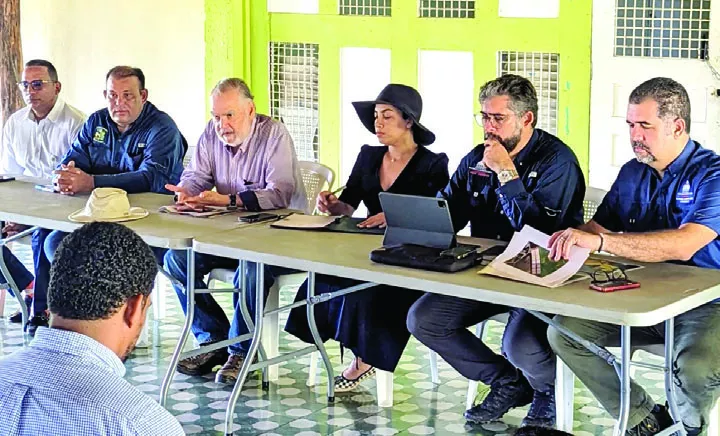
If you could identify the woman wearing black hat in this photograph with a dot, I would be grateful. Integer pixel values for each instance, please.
(372, 322)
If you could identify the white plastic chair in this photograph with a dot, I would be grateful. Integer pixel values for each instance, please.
(315, 177)
(592, 200)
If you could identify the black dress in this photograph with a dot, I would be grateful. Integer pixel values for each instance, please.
(371, 322)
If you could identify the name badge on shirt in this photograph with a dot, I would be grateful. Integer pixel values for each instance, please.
(100, 133)
(480, 170)
(141, 145)
(685, 195)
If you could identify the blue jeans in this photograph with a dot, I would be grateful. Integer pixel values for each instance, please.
(440, 322)
(210, 323)
(23, 277)
(18, 272)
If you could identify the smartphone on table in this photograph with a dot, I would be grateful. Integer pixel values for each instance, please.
(614, 285)
(46, 188)
(258, 217)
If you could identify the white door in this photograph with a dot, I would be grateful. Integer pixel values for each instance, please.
(634, 40)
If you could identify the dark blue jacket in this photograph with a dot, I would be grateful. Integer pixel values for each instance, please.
(548, 195)
(142, 159)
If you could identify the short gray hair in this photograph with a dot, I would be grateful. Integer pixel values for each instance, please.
(523, 97)
(671, 97)
(227, 84)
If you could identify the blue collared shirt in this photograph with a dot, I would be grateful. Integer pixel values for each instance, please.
(144, 158)
(689, 192)
(80, 391)
(548, 194)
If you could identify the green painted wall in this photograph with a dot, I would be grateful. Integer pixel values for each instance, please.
(238, 32)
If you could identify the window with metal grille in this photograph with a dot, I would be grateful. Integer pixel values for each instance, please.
(364, 7)
(446, 9)
(542, 70)
(294, 93)
(662, 28)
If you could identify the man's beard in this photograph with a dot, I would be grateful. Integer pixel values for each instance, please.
(646, 158)
(510, 143)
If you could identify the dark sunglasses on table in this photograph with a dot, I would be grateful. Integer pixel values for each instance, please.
(36, 85)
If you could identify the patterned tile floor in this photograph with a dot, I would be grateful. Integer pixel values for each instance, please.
(292, 408)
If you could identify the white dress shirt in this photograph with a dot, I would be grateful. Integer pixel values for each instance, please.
(34, 149)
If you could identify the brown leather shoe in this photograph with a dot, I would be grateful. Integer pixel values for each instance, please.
(228, 374)
(203, 363)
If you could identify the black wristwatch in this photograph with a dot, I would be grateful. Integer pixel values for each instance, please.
(233, 202)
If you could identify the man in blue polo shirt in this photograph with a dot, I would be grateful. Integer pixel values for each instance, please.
(521, 175)
(663, 207)
(130, 145)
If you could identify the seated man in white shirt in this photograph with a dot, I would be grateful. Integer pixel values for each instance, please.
(99, 294)
(34, 140)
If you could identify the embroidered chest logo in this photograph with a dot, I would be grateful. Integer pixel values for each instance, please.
(685, 195)
(100, 133)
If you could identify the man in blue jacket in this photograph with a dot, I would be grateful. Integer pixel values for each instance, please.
(520, 176)
(130, 145)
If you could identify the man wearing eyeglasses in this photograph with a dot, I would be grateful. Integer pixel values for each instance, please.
(130, 145)
(34, 140)
(250, 161)
(520, 176)
(663, 207)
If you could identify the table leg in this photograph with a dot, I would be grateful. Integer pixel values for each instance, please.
(190, 295)
(669, 382)
(316, 336)
(254, 345)
(248, 319)
(14, 288)
(9, 279)
(623, 370)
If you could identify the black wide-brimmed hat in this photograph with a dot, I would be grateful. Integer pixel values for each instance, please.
(405, 99)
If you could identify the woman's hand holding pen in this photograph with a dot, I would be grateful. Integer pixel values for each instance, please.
(328, 202)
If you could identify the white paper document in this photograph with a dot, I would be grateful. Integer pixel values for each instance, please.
(526, 259)
(297, 221)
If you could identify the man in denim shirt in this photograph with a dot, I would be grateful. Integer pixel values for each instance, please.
(664, 206)
(520, 176)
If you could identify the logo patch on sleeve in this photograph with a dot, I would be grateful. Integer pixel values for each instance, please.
(685, 195)
(100, 133)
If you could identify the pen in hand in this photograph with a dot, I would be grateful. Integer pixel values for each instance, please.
(338, 190)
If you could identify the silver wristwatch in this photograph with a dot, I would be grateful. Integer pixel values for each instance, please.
(505, 176)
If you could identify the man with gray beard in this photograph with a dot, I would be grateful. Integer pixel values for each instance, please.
(663, 207)
(520, 176)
